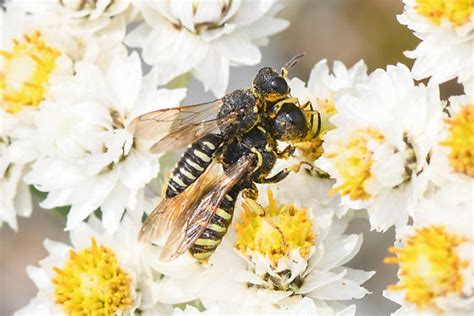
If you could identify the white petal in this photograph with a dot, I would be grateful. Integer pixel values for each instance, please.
(317, 279)
(339, 251)
(38, 276)
(238, 51)
(213, 72)
(344, 289)
(124, 78)
(113, 208)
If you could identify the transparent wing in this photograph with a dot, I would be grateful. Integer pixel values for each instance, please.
(180, 126)
(184, 217)
(190, 133)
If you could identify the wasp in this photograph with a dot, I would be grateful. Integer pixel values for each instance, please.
(232, 144)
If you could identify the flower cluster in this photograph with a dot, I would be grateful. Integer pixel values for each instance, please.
(72, 82)
(393, 147)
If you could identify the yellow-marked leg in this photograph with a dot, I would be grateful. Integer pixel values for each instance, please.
(285, 172)
(259, 159)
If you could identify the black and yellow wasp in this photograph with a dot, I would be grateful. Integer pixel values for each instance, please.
(232, 144)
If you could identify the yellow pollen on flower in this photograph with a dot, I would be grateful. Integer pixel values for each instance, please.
(458, 12)
(353, 160)
(326, 106)
(429, 266)
(274, 230)
(25, 73)
(461, 141)
(92, 283)
(311, 148)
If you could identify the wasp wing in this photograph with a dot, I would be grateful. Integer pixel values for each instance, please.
(184, 217)
(177, 127)
(195, 218)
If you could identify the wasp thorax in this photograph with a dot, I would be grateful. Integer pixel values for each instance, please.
(289, 123)
(270, 84)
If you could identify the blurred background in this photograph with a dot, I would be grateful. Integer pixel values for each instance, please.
(345, 30)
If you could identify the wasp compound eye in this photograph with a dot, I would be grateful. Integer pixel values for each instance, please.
(280, 85)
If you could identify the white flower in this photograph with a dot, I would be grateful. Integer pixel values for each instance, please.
(436, 272)
(87, 158)
(75, 43)
(97, 273)
(380, 145)
(324, 85)
(80, 18)
(264, 270)
(452, 160)
(322, 89)
(15, 155)
(33, 57)
(204, 37)
(446, 29)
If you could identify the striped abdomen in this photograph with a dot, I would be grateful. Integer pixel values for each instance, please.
(211, 237)
(192, 164)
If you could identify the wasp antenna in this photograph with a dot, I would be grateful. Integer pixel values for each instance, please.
(291, 63)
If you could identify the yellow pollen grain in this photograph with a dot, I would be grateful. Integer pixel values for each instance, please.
(461, 141)
(353, 160)
(92, 283)
(274, 230)
(458, 12)
(429, 266)
(25, 73)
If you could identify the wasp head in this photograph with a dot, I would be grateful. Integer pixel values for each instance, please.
(289, 122)
(271, 85)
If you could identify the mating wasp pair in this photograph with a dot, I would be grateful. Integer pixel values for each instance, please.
(232, 145)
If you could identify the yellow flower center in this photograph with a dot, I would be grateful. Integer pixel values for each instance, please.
(353, 160)
(311, 148)
(429, 266)
(274, 230)
(25, 73)
(92, 283)
(458, 12)
(461, 141)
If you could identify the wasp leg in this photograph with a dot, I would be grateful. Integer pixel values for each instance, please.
(307, 106)
(286, 153)
(284, 173)
(259, 159)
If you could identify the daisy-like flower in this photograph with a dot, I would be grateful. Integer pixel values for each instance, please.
(87, 158)
(98, 274)
(446, 29)
(77, 17)
(204, 37)
(321, 90)
(435, 270)
(276, 259)
(381, 143)
(15, 155)
(32, 58)
(436, 256)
